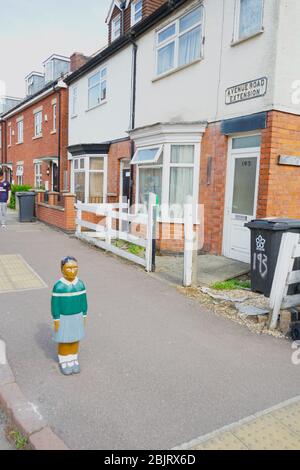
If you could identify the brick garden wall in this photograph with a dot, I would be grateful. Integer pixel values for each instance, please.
(62, 217)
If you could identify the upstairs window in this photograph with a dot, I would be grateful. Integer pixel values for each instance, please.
(9, 135)
(136, 11)
(20, 131)
(249, 18)
(180, 43)
(54, 117)
(38, 117)
(116, 28)
(97, 88)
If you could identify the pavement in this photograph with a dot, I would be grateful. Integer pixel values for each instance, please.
(277, 428)
(158, 370)
(211, 269)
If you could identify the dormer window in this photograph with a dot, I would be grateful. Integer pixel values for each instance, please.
(116, 28)
(136, 11)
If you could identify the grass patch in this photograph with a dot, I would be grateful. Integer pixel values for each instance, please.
(130, 247)
(18, 439)
(232, 284)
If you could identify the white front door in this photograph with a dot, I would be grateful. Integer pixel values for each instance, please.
(241, 195)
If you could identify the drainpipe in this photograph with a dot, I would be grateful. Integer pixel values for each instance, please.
(132, 111)
(59, 137)
(59, 140)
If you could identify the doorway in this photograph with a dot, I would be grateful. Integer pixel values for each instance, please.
(241, 195)
(125, 176)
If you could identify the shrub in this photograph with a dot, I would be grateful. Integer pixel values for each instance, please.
(15, 189)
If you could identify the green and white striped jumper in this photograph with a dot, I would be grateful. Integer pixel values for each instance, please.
(69, 306)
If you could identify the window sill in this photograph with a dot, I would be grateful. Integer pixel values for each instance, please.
(240, 41)
(74, 116)
(37, 137)
(19, 143)
(182, 67)
(96, 106)
(53, 132)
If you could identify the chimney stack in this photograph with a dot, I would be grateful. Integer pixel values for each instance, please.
(77, 60)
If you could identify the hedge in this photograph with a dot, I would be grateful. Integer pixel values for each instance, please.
(15, 189)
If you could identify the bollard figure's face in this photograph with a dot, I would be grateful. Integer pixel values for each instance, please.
(70, 271)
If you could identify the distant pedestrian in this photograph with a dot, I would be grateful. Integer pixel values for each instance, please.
(5, 194)
(69, 311)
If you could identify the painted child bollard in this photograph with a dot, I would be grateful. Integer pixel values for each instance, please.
(69, 312)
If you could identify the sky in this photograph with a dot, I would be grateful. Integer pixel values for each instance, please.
(33, 30)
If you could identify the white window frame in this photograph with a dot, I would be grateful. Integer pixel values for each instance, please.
(38, 124)
(86, 170)
(38, 175)
(135, 12)
(175, 38)
(20, 130)
(155, 158)
(74, 101)
(116, 32)
(99, 85)
(20, 175)
(166, 174)
(54, 117)
(236, 33)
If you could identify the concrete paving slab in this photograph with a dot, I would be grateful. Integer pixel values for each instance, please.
(227, 441)
(211, 269)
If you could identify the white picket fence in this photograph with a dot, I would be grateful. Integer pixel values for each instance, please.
(104, 234)
(285, 276)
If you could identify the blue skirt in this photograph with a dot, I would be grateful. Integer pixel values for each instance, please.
(71, 329)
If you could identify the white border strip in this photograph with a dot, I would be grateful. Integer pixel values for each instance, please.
(229, 427)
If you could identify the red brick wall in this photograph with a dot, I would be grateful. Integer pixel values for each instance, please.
(212, 191)
(47, 145)
(279, 186)
(61, 217)
(77, 60)
(117, 152)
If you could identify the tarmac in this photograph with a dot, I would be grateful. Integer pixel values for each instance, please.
(158, 370)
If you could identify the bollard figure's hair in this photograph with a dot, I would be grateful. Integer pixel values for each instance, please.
(66, 260)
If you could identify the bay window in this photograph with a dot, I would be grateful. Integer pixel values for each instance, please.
(249, 18)
(89, 179)
(180, 43)
(172, 176)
